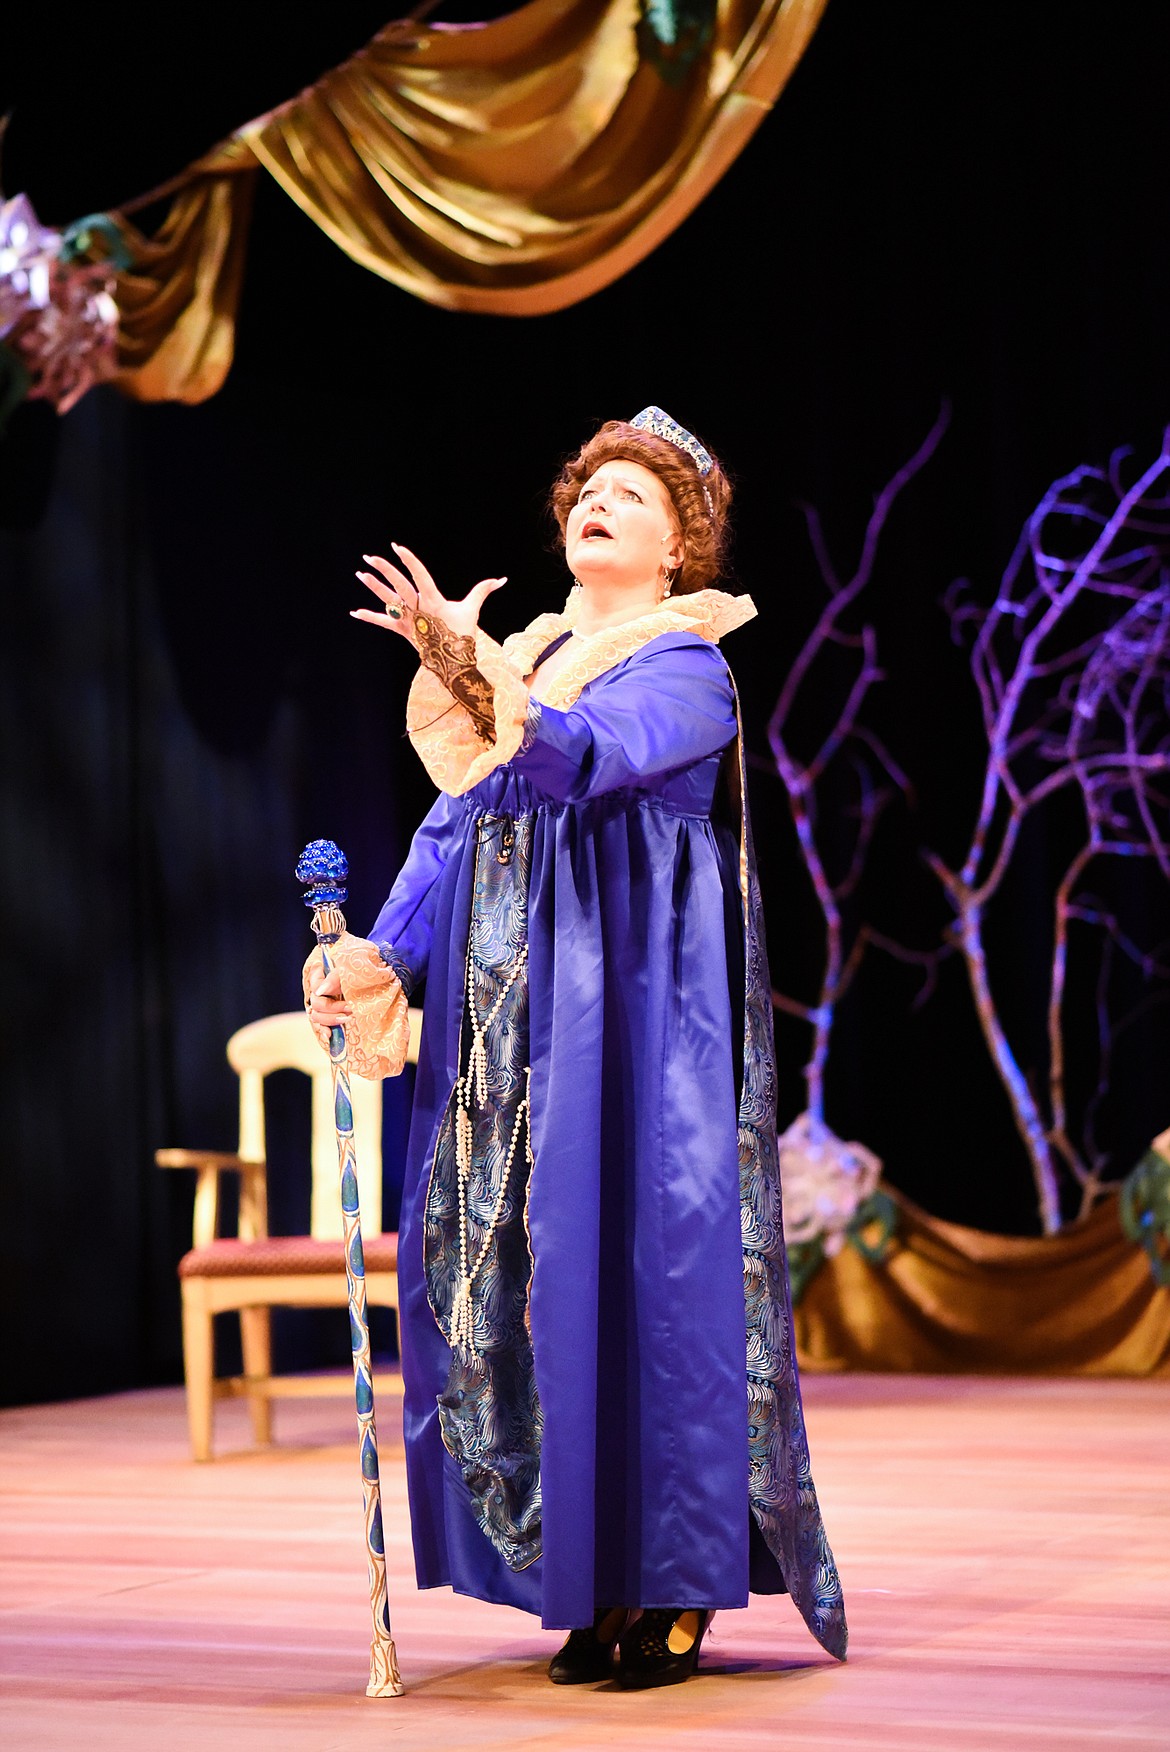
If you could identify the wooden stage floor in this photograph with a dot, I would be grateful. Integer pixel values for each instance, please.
(1005, 1547)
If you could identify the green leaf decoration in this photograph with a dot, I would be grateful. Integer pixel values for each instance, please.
(1144, 1209)
(877, 1212)
(805, 1259)
(95, 238)
(672, 35)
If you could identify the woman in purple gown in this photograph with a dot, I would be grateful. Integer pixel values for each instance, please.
(602, 1413)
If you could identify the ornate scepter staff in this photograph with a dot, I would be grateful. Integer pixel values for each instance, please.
(323, 869)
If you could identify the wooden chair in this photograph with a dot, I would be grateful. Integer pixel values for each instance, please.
(253, 1272)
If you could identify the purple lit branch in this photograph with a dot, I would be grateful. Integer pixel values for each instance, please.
(1085, 605)
(847, 738)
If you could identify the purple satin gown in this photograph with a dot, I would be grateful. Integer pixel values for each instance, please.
(636, 1306)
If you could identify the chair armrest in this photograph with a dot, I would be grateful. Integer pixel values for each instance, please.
(201, 1159)
(209, 1164)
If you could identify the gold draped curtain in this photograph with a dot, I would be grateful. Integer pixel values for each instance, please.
(948, 1299)
(514, 167)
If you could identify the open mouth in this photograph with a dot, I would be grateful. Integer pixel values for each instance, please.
(594, 531)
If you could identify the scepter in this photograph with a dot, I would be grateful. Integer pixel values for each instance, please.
(323, 870)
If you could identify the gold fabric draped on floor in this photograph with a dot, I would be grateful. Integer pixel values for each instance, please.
(514, 167)
(1083, 1302)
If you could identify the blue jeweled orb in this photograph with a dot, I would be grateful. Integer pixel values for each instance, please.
(324, 870)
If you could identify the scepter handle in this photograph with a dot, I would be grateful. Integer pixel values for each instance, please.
(323, 870)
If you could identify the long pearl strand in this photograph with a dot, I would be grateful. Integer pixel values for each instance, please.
(474, 1088)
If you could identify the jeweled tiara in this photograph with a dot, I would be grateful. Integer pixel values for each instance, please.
(661, 424)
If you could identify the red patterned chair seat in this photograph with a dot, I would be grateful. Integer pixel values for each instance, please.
(291, 1255)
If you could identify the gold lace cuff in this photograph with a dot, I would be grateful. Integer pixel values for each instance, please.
(378, 1032)
(443, 733)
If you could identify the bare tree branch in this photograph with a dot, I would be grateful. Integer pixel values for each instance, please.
(1085, 604)
(845, 942)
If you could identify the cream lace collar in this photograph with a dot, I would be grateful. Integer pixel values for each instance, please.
(709, 613)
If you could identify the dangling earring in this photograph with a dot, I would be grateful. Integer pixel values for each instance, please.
(668, 583)
(576, 583)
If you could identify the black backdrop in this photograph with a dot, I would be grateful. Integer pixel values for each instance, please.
(961, 202)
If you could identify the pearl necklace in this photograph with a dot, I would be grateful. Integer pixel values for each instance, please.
(474, 1088)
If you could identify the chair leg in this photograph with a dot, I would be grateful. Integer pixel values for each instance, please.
(256, 1344)
(198, 1367)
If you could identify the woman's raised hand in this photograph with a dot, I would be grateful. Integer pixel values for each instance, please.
(405, 597)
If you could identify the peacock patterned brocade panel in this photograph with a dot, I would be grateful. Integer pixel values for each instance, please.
(781, 1492)
(489, 1412)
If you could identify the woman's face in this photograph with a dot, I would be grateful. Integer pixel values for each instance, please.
(623, 527)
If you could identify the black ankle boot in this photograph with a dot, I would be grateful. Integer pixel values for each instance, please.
(587, 1655)
(662, 1647)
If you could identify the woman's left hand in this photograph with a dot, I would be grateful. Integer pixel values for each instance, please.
(404, 598)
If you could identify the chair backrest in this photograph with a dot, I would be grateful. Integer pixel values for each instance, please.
(287, 1042)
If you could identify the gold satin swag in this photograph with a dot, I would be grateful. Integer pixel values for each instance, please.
(514, 167)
